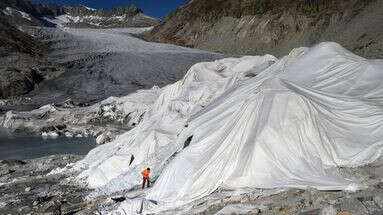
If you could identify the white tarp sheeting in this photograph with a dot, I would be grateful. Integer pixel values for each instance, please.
(289, 126)
(153, 141)
(313, 110)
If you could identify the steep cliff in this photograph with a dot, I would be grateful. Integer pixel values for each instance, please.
(274, 27)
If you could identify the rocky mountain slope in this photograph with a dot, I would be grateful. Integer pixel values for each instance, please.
(274, 27)
(22, 63)
(21, 12)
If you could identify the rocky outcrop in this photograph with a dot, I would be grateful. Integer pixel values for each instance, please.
(258, 27)
(14, 40)
(15, 82)
(21, 61)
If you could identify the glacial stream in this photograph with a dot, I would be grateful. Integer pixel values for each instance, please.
(26, 146)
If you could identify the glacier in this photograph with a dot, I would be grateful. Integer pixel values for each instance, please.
(252, 122)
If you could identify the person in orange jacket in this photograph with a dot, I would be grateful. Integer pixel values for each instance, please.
(145, 177)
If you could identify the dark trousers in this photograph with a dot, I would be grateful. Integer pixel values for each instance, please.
(144, 180)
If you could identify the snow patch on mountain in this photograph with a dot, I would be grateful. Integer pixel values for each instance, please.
(88, 8)
(142, 15)
(58, 20)
(11, 11)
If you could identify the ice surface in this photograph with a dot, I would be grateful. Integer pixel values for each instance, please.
(110, 62)
(255, 122)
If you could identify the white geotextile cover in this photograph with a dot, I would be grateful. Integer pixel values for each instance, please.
(153, 141)
(289, 126)
(313, 110)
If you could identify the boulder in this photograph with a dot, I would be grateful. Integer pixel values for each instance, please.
(68, 134)
(328, 210)
(104, 138)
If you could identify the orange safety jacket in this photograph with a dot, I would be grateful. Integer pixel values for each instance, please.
(145, 173)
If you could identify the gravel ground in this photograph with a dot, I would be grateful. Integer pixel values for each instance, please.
(28, 188)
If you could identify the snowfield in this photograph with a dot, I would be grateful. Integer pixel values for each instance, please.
(247, 123)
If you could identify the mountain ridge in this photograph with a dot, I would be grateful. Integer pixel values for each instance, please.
(130, 16)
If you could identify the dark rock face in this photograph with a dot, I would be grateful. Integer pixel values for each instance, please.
(18, 54)
(13, 40)
(274, 27)
(14, 82)
(49, 9)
